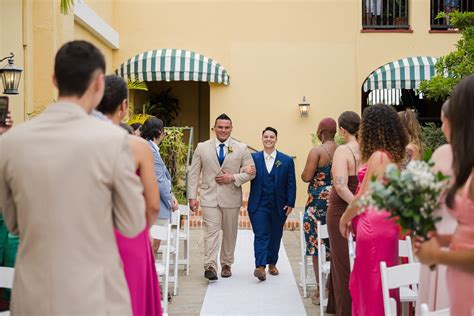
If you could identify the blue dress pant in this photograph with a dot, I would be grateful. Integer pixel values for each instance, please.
(267, 225)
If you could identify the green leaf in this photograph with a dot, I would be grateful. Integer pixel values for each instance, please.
(66, 5)
(137, 85)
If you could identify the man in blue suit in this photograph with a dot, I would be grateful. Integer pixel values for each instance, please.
(272, 198)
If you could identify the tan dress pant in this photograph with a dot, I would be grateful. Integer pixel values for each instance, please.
(217, 219)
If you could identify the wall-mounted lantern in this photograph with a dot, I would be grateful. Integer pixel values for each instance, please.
(11, 75)
(304, 107)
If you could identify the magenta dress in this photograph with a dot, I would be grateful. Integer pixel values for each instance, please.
(460, 283)
(376, 240)
(139, 268)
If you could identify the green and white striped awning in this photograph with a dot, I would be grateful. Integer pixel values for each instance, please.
(173, 65)
(406, 73)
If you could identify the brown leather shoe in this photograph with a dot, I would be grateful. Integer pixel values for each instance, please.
(259, 273)
(210, 274)
(226, 273)
(272, 269)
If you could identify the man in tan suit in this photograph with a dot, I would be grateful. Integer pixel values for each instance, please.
(221, 162)
(66, 180)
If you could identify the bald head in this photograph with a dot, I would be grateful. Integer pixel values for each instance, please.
(327, 129)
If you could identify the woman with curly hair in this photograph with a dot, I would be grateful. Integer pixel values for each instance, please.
(317, 172)
(414, 150)
(382, 141)
(345, 164)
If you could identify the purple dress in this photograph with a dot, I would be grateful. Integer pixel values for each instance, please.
(377, 240)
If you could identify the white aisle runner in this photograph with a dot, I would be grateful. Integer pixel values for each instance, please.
(243, 294)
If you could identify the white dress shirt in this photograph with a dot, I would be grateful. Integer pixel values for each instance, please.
(269, 160)
(226, 146)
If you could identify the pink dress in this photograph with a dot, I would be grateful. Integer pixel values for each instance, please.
(377, 240)
(139, 268)
(460, 283)
(432, 288)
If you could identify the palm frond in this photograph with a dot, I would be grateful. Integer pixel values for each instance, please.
(138, 118)
(66, 6)
(36, 111)
(137, 85)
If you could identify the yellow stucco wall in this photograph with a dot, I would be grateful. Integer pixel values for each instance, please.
(275, 52)
(11, 40)
(80, 33)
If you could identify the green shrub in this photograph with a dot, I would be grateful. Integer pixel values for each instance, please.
(433, 137)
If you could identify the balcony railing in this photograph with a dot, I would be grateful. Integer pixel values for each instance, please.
(385, 14)
(447, 6)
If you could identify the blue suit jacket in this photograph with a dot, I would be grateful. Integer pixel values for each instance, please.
(285, 186)
(164, 183)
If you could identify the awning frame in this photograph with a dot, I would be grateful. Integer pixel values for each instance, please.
(173, 65)
(405, 73)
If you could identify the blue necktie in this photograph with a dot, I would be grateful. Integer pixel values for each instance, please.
(221, 154)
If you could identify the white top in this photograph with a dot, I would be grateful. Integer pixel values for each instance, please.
(226, 146)
(269, 160)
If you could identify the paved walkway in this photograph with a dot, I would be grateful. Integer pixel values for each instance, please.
(193, 288)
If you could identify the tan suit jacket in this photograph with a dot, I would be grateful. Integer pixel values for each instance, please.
(205, 161)
(66, 179)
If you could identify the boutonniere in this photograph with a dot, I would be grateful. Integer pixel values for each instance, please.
(278, 163)
(230, 150)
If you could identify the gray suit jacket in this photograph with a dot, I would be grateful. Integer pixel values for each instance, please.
(66, 180)
(205, 162)
(164, 183)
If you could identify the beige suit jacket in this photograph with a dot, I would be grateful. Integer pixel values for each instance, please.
(66, 179)
(205, 162)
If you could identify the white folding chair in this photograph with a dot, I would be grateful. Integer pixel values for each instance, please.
(324, 266)
(405, 249)
(425, 311)
(184, 235)
(174, 248)
(408, 294)
(306, 263)
(163, 267)
(351, 245)
(6, 281)
(397, 277)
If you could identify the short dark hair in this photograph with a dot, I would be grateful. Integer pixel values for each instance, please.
(349, 121)
(223, 116)
(114, 93)
(271, 129)
(127, 127)
(74, 65)
(152, 128)
(136, 126)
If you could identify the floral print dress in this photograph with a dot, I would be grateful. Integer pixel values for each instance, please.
(319, 190)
